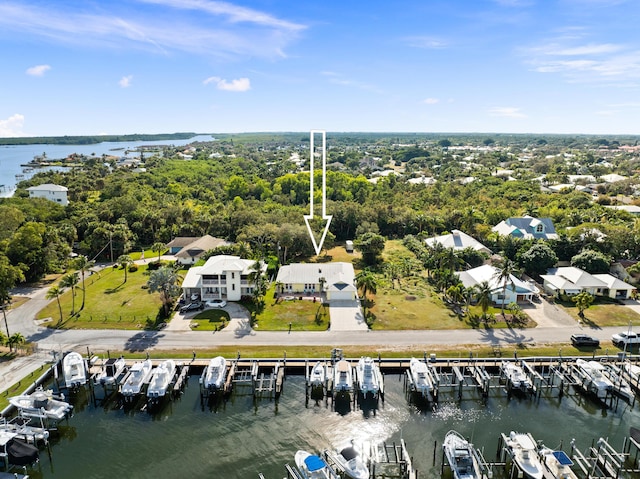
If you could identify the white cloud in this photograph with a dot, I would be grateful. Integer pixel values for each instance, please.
(431, 101)
(12, 126)
(240, 84)
(430, 43)
(507, 111)
(125, 82)
(38, 70)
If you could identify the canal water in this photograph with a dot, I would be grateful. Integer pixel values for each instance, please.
(242, 437)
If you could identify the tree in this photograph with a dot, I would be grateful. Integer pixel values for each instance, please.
(9, 276)
(538, 259)
(483, 297)
(371, 246)
(83, 264)
(159, 247)
(164, 281)
(124, 261)
(366, 282)
(16, 340)
(455, 292)
(583, 301)
(55, 292)
(591, 261)
(70, 280)
(504, 277)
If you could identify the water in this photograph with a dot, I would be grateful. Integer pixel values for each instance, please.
(12, 156)
(241, 438)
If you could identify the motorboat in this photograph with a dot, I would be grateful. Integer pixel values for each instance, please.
(631, 372)
(352, 462)
(516, 377)
(421, 377)
(462, 457)
(43, 404)
(557, 463)
(368, 377)
(524, 452)
(621, 386)
(318, 375)
(342, 377)
(594, 381)
(74, 370)
(135, 380)
(112, 371)
(214, 374)
(16, 452)
(312, 466)
(161, 378)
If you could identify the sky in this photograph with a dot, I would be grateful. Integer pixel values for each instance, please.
(90, 67)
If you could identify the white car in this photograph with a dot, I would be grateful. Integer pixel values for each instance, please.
(625, 339)
(216, 303)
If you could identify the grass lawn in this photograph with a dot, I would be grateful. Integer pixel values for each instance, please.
(335, 255)
(603, 314)
(110, 303)
(304, 315)
(210, 320)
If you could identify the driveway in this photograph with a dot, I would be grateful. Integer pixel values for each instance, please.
(239, 320)
(548, 315)
(346, 316)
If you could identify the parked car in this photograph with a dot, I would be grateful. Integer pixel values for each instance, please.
(195, 297)
(216, 303)
(625, 339)
(584, 340)
(192, 307)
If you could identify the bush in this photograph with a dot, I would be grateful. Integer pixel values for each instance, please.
(154, 265)
(133, 268)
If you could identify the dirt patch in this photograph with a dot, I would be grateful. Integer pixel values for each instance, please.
(410, 297)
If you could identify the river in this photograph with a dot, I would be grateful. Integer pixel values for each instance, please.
(13, 156)
(241, 437)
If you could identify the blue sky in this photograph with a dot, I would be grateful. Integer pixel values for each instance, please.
(152, 66)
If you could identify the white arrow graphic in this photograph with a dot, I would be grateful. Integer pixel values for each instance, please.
(325, 217)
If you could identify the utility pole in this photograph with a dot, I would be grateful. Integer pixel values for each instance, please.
(111, 245)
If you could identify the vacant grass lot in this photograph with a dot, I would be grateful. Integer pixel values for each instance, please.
(110, 303)
(304, 315)
(604, 314)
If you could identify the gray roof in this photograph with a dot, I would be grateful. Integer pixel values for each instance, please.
(199, 246)
(457, 240)
(310, 273)
(526, 227)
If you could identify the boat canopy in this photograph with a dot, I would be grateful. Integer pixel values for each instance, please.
(562, 458)
(314, 463)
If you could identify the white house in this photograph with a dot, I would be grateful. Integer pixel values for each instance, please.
(51, 192)
(221, 277)
(304, 279)
(458, 241)
(616, 288)
(571, 281)
(517, 290)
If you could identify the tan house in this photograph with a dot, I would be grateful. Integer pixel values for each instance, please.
(188, 250)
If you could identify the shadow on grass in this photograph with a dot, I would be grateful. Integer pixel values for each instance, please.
(589, 323)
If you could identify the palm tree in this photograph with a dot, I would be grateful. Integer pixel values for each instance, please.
(55, 292)
(456, 293)
(505, 276)
(70, 280)
(124, 261)
(394, 273)
(483, 297)
(16, 339)
(165, 281)
(83, 264)
(366, 282)
(159, 247)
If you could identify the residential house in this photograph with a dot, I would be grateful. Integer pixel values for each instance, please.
(188, 250)
(304, 279)
(458, 241)
(222, 277)
(527, 227)
(51, 192)
(517, 291)
(570, 281)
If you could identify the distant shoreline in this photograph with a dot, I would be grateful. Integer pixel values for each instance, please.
(92, 139)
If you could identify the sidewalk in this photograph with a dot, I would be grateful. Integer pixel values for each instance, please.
(20, 369)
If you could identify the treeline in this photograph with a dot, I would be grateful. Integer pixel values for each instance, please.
(91, 140)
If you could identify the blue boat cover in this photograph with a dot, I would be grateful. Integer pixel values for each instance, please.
(314, 463)
(562, 458)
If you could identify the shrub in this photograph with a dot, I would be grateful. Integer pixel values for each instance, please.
(133, 268)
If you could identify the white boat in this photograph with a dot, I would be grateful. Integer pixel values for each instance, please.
(631, 372)
(313, 467)
(161, 378)
(557, 463)
(74, 370)
(620, 385)
(421, 377)
(352, 463)
(318, 375)
(462, 457)
(594, 381)
(368, 377)
(112, 370)
(135, 380)
(41, 403)
(214, 374)
(524, 452)
(342, 377)
(516, 377)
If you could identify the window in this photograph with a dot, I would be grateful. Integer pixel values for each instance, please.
(233, 287)
(540, 228)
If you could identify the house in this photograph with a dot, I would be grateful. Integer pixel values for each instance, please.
(527, 227)
(616, 288)
(221, 277)
(188, 250)
(517, 290)
(51, 192)
(458, 241)
(571, 281)
(304, 279)
(631, 209)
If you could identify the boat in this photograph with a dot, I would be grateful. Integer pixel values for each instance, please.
(594, 381)
(421, 377)
(43, 404)
(135, 380)
(214, 374)
(112, 371)
(21, 425)
(462, 457)
(516, 377)
(313, 467)
(342, 377)
(631, 372)
(368, 377)
(524, 452)
(621, 386)
(557, 463)
(318, 375)
(74, 370)
(161, 378)
(16, 452)
(352, 463)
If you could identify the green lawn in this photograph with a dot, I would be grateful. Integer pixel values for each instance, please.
(603, 314)
(303, 315)
(210, 320)
(110, 303)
